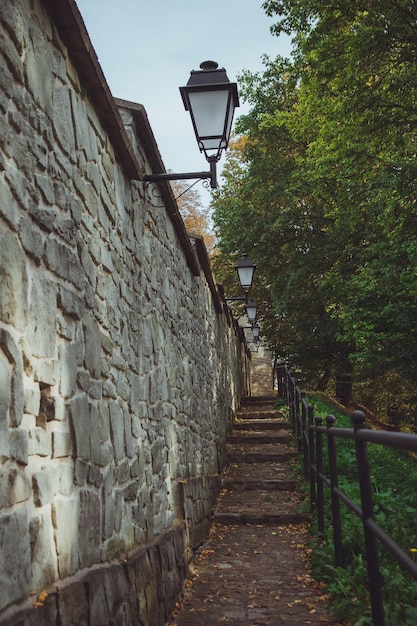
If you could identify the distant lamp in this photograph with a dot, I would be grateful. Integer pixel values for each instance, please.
(245, 268)
(255, 331)
(211, 100)
(251, 308)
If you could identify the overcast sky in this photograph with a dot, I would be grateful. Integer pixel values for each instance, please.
(147, 50)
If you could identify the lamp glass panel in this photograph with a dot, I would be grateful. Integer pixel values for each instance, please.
(251, 311)
(209, 110)
(245, 276)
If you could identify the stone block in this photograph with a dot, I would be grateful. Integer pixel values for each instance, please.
(123, 472)
(159, 455)
(15, 559)
(80, 417)
(118, 509)
(13, 282)
(69, 362)
(70, 303)
(32, 396)
(116, 585)
(92, 345)
(44, 563)
(98, 604)
(73, 605)
(117, 428)
(61, 444)
(31, 240)
(62, 117)
(5, 379)
(89, 526)
(65, 518)
(80, 472)
(40, 336)
(39, 442)
(66, 478)
(18, 445)
(95, 477)
(130, 491)
(15, 486)
(45, 485)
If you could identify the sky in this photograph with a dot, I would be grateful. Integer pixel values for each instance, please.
(147, 49)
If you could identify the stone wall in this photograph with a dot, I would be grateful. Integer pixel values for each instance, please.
(120, 368)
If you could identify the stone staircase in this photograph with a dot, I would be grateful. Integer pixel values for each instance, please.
(253, 569)
(258, 484)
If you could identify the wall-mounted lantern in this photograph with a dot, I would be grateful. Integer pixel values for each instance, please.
(255, 331)
(251, 308)
(211, 100)
(245, 268)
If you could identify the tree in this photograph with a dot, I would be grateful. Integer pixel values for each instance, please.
(323, 185)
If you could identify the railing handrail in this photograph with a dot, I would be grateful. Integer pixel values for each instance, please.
(309, 437)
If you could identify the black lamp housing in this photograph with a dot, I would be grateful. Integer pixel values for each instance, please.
(211, 99)
(245, 268)
(251, 308)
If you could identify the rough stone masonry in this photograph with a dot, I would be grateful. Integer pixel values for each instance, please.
(120, 367)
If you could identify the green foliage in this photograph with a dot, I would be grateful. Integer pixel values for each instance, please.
(321, 189)
(393, 479)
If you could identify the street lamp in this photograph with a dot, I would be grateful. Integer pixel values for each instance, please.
(245, 268)
(251, 308)
(211, 100)
(255, 332)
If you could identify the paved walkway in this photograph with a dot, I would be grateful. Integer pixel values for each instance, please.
(253, 570)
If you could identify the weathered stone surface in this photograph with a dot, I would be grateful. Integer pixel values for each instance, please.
(45, 485)
(107, 336)
(15, 557)
(5, 376)
(61, 444)
(13, 282)
(44, 565)
(40, 336)
(92, 346)
(65, 516)
(39, 442)
(18, 446)
(80, 419)
(89, 528)
(73, 605)
(14, 485)
(117, 431)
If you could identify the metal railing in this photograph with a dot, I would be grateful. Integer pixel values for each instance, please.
(309, 432)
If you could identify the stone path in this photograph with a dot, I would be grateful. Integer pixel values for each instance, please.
(253, 570)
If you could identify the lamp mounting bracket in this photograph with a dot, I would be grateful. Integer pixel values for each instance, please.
(211, 175)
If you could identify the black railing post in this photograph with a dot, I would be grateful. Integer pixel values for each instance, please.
(320, 493)
(371, 550)
(280, 370)
(298, 419)
(312, 459)
(304, 434)
(291, 401)
(334, 485)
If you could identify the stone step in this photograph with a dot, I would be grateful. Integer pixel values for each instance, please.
(256, 400)
(261, 424)
(258, 518)
(236, 472)
(259, 485)
(260, 415)
(260, 456)
(258, 507)
(253, 437)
